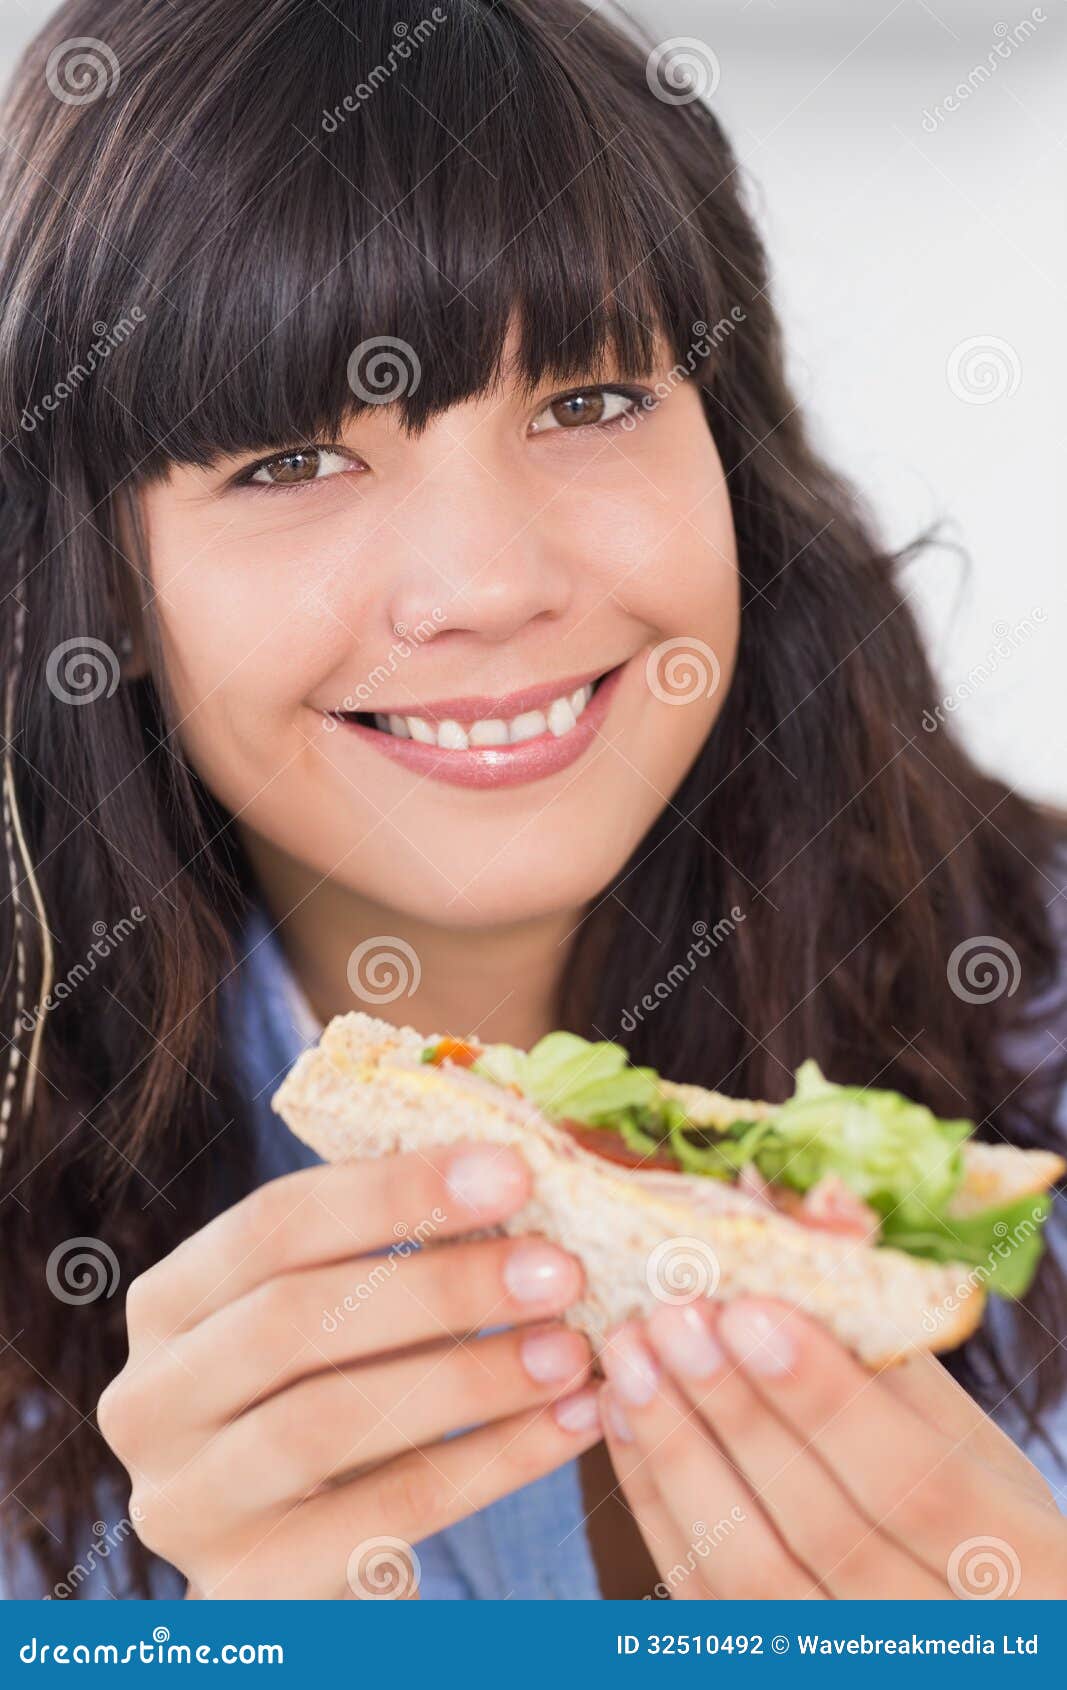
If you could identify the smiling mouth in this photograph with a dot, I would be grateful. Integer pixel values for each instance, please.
(558, 717)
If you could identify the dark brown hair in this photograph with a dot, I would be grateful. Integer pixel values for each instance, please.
(187, 262)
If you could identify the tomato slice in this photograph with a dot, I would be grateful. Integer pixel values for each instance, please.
(602, 1141)
(459, 1051)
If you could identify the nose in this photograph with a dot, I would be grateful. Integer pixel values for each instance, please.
(476, 559)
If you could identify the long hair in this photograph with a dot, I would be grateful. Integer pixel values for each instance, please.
(203, 214)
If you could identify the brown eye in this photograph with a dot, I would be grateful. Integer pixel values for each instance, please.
(589, 407)
(300, 465)
(290, 468)
(578, 408)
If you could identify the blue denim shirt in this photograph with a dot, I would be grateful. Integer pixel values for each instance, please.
(532, 1543)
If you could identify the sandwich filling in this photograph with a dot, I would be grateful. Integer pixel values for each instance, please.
(847, 1159)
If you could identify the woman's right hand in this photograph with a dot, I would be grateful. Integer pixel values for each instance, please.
(273, 1431)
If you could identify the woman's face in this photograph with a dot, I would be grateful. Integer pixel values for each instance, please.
(479, 574)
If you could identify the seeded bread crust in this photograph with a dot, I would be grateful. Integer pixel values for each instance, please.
(350, 1098)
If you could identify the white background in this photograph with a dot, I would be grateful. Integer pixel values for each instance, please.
(892, 243)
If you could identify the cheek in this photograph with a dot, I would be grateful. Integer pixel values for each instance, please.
(660, 537)
(688, 582)
(665, 555)
(248, 630)
(694, 581)
(683, 585)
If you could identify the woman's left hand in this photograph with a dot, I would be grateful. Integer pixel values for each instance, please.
(760, 1459)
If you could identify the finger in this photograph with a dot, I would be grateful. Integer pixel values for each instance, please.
(815, 1515)
(676, 1560)
(325, 1214)
(302, 1322)
(905, 1475)
(353, 1417)
(696, 1484)
(318, 1546)
(930, 1390)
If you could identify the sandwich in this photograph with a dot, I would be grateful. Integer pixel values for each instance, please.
(864, 1209)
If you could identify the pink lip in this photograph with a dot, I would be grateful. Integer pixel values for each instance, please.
(500, 765)
(483, 707)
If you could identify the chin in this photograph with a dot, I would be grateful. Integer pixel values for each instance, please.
(512, 887)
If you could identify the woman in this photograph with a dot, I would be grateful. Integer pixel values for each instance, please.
(415, 560)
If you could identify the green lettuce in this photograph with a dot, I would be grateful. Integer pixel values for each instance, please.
(897, 1156)
(1003, 1246)
(570, 1078)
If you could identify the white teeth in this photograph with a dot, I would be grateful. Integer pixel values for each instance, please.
(561, 717)
(492, 732)
(558, 719)
(451, 737)
(527, 726)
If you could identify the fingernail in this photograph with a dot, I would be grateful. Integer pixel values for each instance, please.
(630, 1366)
(552, 1354)
(538, 1273)
(618, 1425)
(681, 1335)
(579, 1413)
(759, 1340)
(487, 1178)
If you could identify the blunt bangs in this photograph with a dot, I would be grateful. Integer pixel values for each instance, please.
(425, 178)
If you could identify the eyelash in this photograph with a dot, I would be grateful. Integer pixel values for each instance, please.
(637, 394)
(244, 479)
